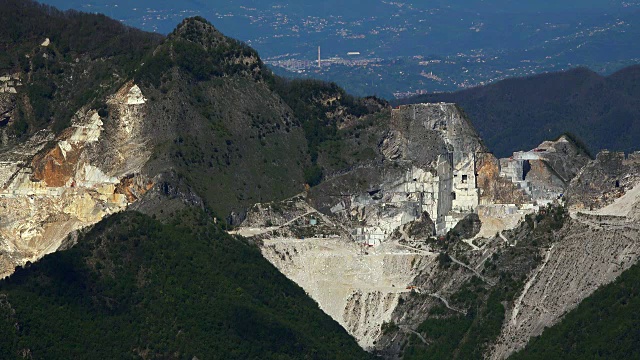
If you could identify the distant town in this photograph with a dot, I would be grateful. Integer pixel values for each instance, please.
(397, 48)
(435, 75)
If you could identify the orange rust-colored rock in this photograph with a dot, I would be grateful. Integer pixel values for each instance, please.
(66, 133)
(541, 172)
(56, 167)
(124, 90)
(493, 188)
(488, 169)
(132, 189)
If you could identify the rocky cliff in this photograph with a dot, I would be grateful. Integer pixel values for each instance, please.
(592, 249)
(55, 185)
(407, 228)
(169, 134)
(359, 241)
(604, 180)
(591, 252)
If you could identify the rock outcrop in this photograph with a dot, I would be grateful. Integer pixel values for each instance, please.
(593, 249)
(420, 216)
(360, 239)
(544, 173)
(468, 227)
(513, 187)
(9, 85)
(359, 291)
(604, 180)
(185, 121)
(430, 155)
(346, 253)
(52, 187)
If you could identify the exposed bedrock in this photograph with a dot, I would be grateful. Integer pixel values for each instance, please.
(52, 187)
(594, 249)
(359, 291)
(430, 153)
(356, 242)
(604, 180)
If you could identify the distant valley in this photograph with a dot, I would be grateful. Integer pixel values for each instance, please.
(400, 49)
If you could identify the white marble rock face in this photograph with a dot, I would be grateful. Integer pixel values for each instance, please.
(354, 264)
(48, 193)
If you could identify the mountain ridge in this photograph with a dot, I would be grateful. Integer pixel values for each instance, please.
(128, 288)
(396, 221)
(600, 110)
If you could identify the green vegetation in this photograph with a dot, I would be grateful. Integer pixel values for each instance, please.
(313, 175)
(251, 136)
(134, 287)
(89, 57)
(604, 326)
(547, 220)
(241, 144)
(232, 141)
(389, 327)
(520, 113)
(201, 51)
(445, 334)
(452, 335)
(321, 108)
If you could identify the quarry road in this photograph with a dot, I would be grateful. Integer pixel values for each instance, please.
(582, 219)
(505, 239)
(419, 251)
(613, 216)
(607, 222)
(621, 207)
(288, 240)
(470, 243)
(446, 303)
(488, 254)
(408, 329)
(471, 269)
(516, 306)
(249, 232)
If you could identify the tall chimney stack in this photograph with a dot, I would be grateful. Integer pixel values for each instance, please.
(319, 61)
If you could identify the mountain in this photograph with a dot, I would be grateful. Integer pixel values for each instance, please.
(190, 123)
(163, 216)
(521, 112)
(408, 47)
(87, 57)
(434, 248)
(608, 317)
(134, 287)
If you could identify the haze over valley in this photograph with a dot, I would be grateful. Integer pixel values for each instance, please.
(404, 48)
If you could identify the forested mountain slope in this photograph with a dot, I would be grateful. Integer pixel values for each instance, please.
(519, 113)
(136, 288)
(87, 57)
(190, 129)
(605, 326)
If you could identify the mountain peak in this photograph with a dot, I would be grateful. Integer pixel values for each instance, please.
(200, 31)
(199, 49)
